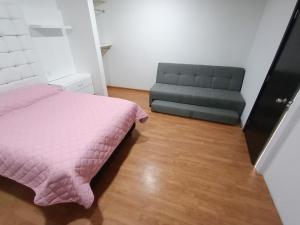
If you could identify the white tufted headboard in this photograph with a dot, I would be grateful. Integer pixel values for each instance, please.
(19, 65)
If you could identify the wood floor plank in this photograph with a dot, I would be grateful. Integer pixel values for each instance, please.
(170, 171)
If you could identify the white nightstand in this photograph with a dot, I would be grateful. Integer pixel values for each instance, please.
(79, 82)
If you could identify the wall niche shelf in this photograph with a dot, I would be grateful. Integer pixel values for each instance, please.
(99, 11)
(99, 2)
(106, 46)
(42, 26)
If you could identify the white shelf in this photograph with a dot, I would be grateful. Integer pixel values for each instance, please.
(41, 26)
(100, 11)
(99, 2)
(106, 45)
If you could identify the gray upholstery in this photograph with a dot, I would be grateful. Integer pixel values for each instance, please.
(207, 92)
(208, 97)
(197, 112)
(216, 77)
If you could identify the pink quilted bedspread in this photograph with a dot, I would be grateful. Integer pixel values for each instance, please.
(55, 141)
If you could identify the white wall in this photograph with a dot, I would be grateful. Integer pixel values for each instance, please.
(279, 162)
(275, 19)
(62, 53)
(84, 40)
(282, 175)
(145, 32)
(52, 48)
(104, 38)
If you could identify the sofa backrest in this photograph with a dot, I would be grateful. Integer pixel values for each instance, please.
(217, 77)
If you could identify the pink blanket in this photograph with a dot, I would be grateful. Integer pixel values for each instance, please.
(55, 141)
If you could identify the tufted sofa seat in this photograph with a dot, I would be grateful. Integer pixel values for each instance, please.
(198, 91)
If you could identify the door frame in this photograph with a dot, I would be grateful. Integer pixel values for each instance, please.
(287, 122)
(284, 128)
(287, 32)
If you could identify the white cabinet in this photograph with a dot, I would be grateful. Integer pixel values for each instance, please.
(80, 82)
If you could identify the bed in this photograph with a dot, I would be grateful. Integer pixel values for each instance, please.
(52, 141)
(55, 141)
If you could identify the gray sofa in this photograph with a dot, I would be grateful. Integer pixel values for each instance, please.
(198, 91)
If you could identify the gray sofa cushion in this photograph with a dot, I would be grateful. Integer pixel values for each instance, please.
(197, 112)
(216, 77)
(207, 97)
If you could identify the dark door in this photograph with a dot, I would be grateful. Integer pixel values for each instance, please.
(278, 91)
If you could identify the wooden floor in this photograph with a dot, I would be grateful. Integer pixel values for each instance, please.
(170, 171)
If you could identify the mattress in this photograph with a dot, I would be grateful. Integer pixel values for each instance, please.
(55, 141)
